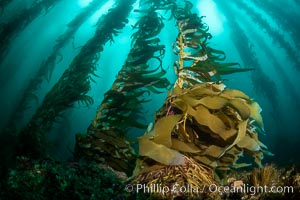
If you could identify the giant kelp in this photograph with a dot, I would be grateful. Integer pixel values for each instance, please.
(249, 58)
(121, 107)
(289, 86)
(46, 67)
(20, 21)
(259, 77)
(282, 17)
(278, 38)
(74, 84)
(201, 121)
(206, 62)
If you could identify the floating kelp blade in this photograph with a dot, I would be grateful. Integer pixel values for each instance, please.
(230, 70)
(159, 152)
(214, 127)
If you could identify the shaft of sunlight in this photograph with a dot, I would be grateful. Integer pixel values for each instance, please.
(84, 3)
(213, 17)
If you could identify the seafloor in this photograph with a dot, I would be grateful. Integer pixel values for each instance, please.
(49, 179)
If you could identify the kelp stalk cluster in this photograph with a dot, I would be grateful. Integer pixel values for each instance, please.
(283, 18)
(74, 84)
(46, 68)
(278, 38)
(121, 108)
(201, 121)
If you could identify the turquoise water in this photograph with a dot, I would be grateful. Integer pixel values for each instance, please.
(257, 34)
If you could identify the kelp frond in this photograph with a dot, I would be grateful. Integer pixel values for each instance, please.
(201, 121)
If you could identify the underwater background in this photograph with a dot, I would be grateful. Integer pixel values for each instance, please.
(41, 39)
(100, 96)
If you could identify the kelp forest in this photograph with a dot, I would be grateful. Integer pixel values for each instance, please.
(126, 99)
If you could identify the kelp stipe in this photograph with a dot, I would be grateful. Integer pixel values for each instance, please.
(106, 140)
(202, 125)
(73, 85)
(277, 37)
(11, 29)
(47, 66)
